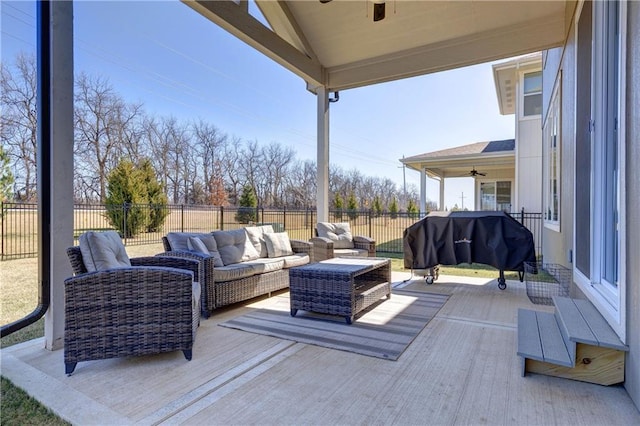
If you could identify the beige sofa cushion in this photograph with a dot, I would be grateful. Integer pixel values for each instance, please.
(350, 252)
(256, 236)
(103, 250)
(234, 246)
(263, 264)
(295, 260)
(339, 233)
(233, 272)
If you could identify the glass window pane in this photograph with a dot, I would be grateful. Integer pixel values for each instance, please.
(503, 196)
(533, 104)
(488, 196)
(533, 82)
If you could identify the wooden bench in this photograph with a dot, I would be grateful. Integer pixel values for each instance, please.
(574, 342)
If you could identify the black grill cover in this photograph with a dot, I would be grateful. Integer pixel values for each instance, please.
(450, 238)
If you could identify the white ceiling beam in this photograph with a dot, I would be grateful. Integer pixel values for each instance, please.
(282, 21)
(235, 19)
(540, 34)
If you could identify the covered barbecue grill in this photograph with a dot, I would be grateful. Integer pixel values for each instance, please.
(451, 238)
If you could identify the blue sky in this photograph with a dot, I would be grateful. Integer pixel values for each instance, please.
(167, 56)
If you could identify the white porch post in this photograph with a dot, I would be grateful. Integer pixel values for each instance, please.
(441, 200)
(423, 191)
(322, 195)
(60, 182)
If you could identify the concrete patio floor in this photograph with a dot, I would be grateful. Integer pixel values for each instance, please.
(461, 369)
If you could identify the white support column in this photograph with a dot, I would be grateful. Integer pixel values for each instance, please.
(423, 191)
(441, 200)
(322, 195)
(61, 179)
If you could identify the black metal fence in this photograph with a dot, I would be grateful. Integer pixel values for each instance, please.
(19, 227)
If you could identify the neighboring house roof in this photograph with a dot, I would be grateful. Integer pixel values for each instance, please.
(507, 145)
(458, 161)
(506, 76)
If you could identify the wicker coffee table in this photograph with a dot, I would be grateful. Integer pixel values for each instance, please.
(340, 286)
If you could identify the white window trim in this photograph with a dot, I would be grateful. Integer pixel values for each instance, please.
(611, 305)
(556, 97)
(521, 95)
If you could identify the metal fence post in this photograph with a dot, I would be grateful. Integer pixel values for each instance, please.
(181, 217)
(370, 223)
(221, 218)
(124, 224)
(2, 213)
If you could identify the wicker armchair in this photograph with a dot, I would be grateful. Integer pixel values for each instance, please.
(324, 248)
(144, 309)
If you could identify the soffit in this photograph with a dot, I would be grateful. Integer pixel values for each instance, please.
(338, 45)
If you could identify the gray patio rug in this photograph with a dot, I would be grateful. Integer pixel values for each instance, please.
(385, 330)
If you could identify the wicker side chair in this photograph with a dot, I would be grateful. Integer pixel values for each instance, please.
(324, 248)
(148, 308)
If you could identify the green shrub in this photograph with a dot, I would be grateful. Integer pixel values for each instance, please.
(352, 207)
(248, 203)
(393, 209)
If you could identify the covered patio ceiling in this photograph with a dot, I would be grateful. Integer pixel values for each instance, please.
(484, 157)
(338, 46)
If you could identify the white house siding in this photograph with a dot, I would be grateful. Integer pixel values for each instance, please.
(556, 245)
(528, 166)
(632, 373)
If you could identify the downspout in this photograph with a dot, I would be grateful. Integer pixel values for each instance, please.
(44, 170)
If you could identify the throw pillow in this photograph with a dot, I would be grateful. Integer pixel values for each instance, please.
(234, 246)
(278, 244)
(196, 244)
(256, 236)
(103, 250)
(339, 233)
(205, 245)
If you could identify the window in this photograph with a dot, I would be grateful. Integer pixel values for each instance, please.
(495, 196)
(552, 161)
(606, 144)
(599, 226)
(532, 94)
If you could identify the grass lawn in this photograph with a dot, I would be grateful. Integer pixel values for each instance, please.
(19, 297)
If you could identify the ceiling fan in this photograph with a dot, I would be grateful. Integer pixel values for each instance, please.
(378, 9)
(473, 172)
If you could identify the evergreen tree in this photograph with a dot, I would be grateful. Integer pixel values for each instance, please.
(412, 209)
(352, 207)
(393, 208)
(6, 177)
(338, 204)
(126, 193)
(156, 198)
(376, 206)
(248, 204)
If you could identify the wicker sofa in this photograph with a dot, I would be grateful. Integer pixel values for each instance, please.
(237, 265)
(147, 308)
(336, 240)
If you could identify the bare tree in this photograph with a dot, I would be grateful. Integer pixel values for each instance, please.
(276, 163)
(102, 118)
(251, 166)
(208, 142)
(301, 185)
(18, 122)
(230, 165)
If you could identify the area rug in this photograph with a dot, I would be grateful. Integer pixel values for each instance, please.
(383, 331)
